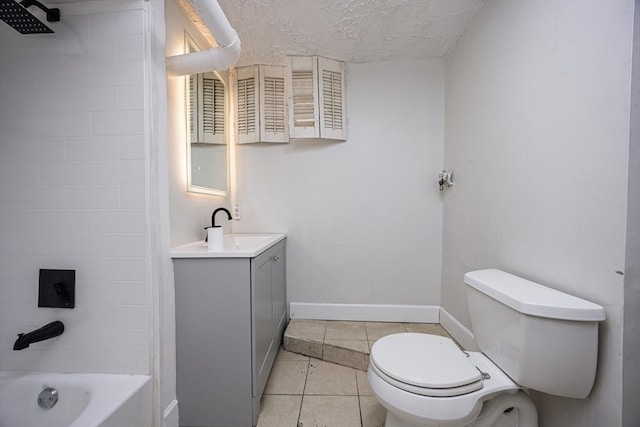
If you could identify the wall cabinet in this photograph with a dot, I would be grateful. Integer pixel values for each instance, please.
(230, 317)
(261, 104)
(317, 104)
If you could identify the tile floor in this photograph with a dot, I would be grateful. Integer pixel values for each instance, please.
(305, 391)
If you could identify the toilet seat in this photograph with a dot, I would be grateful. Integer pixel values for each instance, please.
(427, 365)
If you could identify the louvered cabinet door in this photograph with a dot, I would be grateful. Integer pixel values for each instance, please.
(274, 121)
(211, 110)
(302, 79)
(331, 100)
(247, 106)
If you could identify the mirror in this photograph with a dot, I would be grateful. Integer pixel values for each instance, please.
(206, 107)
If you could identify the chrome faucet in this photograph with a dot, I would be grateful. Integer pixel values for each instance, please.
(49, 330)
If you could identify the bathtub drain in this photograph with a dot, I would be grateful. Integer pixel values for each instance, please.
(48, 398)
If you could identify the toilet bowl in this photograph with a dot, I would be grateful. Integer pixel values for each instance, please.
(428, 381)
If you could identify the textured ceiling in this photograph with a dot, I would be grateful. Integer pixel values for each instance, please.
(349, 30)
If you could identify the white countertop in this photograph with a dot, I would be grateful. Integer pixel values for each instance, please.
(234, 246)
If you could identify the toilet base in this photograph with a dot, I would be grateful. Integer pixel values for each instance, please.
(507, 419)
(393, 420)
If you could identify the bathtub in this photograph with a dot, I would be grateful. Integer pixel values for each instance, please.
(84, 400)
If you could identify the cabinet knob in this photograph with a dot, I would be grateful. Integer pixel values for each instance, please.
(276, 258)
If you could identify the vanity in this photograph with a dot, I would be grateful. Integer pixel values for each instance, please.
(231, 313)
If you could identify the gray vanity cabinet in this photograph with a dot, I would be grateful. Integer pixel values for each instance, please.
(268, 300)
(230, 317)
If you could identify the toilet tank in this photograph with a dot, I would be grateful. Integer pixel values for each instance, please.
(542, 338)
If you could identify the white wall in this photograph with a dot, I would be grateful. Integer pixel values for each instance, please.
(363, 217)
(631, 349)
(537, 133)
(72, 189)
(190, 212)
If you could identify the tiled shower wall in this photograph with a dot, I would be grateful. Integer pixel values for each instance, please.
(72, 191)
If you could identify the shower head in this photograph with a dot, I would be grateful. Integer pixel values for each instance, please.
(17, 16)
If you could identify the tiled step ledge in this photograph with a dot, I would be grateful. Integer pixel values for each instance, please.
(346, 343)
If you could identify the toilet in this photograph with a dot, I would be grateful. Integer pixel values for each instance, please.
(529, 336)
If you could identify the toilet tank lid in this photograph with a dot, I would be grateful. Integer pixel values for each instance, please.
(532, 298)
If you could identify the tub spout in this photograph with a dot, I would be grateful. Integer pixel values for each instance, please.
(49, 330)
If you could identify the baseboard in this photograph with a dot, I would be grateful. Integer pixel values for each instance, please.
(366, 312)
(171, 414)
(457, 330)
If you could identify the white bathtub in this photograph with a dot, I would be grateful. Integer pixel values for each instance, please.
(84, 400)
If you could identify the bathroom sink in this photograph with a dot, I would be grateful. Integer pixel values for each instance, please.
(245, 241)
(234, 246)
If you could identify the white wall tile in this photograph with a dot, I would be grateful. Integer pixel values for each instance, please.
(91, 99)
(37, 148)
(19, 173)
(119, 220)
(134, 292)
(133, 244)
(105, 172)
(93, 197)
(46, 244)
(121, 73)
(39, 196)
(71, 74)
(133, 268)
(131, 122)
(21, 360)
(5, 151)
(105, 123)
(133, 340)
(19, 289)
(75, 35)
(103, 49)
(64, 124)
(19, 220)
(93, 245)
(66, 220)
(130, 97)
(18, 125)
(6, 196)
(72, 172)
(65, 177)
(16, 76)
(133, 316)
(119, 172)
(105, 74)
(132, 196)
(43, 244)
(116, 23)
(130, 47)
(131, 171)
(92, 148)
(130, 72)
(99, 292)
(30, 100)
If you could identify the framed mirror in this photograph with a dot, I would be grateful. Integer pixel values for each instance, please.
(206, 106)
